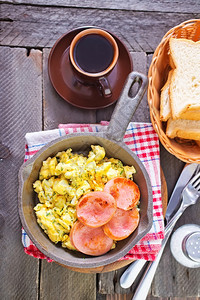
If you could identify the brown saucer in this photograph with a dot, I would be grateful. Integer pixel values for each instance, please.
(85, 96)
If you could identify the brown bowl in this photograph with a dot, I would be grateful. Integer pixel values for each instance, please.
(158, 72)
(111, 141)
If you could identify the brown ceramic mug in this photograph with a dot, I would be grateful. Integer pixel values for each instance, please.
(93, 55)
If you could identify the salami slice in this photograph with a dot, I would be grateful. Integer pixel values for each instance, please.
(125, 192)
(96, 209)
(91, 241)
(122, 224)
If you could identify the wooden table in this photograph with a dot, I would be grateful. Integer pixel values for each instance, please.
(29, 103)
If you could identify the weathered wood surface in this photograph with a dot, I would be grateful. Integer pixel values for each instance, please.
(21, 111)
(56, 109)
(38, 27)
(175, 280)
(136, 5)
(108, 283)
(142, 112)
(141, 25)
(58, 282)
(172, 279)
(130, 296)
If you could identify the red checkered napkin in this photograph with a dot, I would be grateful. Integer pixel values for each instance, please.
(140, 138)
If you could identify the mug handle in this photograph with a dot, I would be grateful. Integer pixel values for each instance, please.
(126, 106)
(104, 87)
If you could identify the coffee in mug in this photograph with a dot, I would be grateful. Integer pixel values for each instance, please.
(93, 54)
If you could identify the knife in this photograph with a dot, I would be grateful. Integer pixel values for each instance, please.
(131, 273)
(184, 178)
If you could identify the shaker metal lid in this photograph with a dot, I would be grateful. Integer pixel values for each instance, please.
(191, 246)
(185, 245)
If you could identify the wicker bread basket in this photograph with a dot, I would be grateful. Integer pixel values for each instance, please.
(187, 151)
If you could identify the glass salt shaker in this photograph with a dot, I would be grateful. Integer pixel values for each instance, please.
(185, 245)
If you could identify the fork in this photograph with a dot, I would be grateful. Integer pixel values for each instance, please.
(134, 269)
(190, 195)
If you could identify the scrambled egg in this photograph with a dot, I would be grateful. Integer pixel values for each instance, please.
(63, 179)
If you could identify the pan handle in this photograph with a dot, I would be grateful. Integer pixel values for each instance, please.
(126, 106)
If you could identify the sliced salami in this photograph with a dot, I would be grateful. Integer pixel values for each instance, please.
(91, 241)
(122, 224)
(125, 192)
(96, 209)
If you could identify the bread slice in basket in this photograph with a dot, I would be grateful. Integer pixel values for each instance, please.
(185, 79)
(165, 104)
(180, 96)
(185, 129)
(165, 107)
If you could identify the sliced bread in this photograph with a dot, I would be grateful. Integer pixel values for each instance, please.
(185, 79)
(165, 106)
(191, 115)
(165, 109)
(186, 129)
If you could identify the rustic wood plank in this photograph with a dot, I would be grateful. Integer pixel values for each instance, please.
(142, 112)
(35, 26)
(29, 26)
(171, 166)
(21, 112)
(100, 296)
(185, 298)
(119, 297)
(140, 65)
(106, 283)
(175, 280)
(109, 282)
(155, 5)
(181, 281)
(60, 283)
(56, 109)
(149, 297)
(162, 287)
(130, 296)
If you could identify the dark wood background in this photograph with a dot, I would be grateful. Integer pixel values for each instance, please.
(29, 103)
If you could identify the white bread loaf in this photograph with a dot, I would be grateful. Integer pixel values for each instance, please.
(185, 80)
(186, 129)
